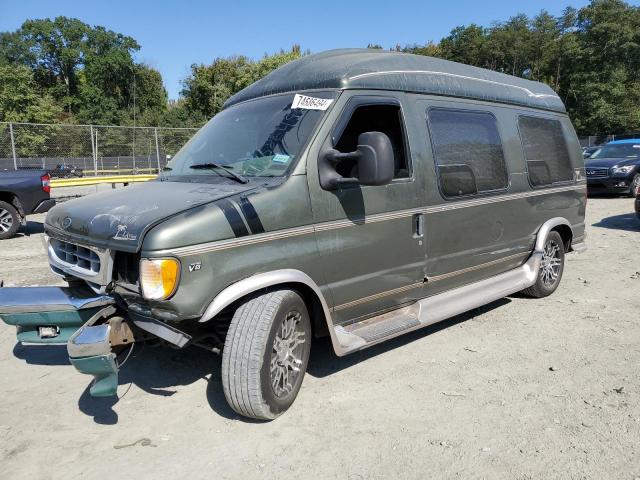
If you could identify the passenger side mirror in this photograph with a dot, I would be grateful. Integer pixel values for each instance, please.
(373, 158)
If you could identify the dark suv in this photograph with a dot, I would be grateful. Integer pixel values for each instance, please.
(615, 168)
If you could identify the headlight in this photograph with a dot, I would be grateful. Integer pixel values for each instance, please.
(625, 170)
(159, 277)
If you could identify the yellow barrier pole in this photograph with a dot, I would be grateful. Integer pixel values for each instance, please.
(86, 181)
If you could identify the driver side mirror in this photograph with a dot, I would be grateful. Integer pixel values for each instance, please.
(374, 160)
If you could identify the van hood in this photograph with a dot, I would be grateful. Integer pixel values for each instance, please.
(610, 162)
(119, 219)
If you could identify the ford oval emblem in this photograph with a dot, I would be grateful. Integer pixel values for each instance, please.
(66, 223)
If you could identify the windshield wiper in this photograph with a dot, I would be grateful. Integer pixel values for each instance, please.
(210, 166)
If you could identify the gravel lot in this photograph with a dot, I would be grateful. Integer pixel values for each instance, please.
(519, 389)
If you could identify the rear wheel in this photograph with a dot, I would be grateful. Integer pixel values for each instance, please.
(266, 354)
(9, 220)
(551, 268)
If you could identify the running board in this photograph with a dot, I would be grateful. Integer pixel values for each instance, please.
(436, 308)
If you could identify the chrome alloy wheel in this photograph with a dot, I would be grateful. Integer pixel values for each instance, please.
(551, 263)
(286, 354)
(6, 220)
(635, 186)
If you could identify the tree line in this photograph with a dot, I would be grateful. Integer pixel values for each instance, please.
(63, 70)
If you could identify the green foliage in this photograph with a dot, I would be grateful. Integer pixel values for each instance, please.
(65, 70)
(209, 86)
(21, 100)
(429, 49)
(88, 72)
(591, 57)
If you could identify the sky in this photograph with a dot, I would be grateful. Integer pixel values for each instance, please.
(175, 34)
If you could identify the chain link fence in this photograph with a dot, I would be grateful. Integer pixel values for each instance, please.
(82, 150)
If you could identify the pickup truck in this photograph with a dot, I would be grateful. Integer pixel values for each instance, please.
(22, 193)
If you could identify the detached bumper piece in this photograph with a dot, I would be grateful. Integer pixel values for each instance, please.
(90, 352)
(90, 325)
(92, 349)
(49, 315)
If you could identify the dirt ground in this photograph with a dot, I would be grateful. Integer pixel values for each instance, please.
(520, 389)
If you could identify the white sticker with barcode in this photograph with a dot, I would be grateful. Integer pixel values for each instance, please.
(310, 103)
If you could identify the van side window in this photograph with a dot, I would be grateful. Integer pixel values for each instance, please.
(468, 151)
(545, 150)
(375, 118)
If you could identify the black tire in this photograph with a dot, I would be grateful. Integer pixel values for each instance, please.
(9, 220)
(250, 348)
(547, 282)
(634, 189)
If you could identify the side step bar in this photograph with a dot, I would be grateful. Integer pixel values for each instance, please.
(436, 308)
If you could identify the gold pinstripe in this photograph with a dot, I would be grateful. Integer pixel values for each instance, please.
(435, 278)
(377, 296)
(378, 217)
(444, 276)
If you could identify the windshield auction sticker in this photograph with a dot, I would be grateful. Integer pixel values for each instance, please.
(310, 103)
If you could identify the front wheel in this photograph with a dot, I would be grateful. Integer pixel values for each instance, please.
(551, 268)
(634, 190)
(266, 353)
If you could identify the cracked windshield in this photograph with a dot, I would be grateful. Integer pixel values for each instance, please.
(258, 138)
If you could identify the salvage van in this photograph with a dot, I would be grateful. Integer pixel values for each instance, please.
(358, 194)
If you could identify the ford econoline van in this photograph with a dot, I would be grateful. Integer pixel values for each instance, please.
(358, 194)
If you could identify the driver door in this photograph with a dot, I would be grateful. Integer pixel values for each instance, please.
(370, 242)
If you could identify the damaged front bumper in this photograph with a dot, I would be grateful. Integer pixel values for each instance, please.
(94, 329)
(49, 314)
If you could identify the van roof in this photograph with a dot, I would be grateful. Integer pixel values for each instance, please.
(361, 68)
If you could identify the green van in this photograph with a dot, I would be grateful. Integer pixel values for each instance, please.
(358, 194)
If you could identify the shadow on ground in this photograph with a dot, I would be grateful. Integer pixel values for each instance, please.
(324, 362)
(603, 194)
(158, 370)
(53, 355)
(31, 228)
(628, 222)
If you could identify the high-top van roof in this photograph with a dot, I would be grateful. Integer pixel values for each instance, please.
(381, 70)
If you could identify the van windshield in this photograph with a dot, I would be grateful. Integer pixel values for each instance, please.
(617, 151)
(258, 138)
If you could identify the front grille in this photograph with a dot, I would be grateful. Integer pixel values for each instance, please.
(76, 255)
(126, 268)
(594, 172)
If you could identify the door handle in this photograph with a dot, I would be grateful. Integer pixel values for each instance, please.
(418, 225)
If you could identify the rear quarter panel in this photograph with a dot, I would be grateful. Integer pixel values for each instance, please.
(499, 227)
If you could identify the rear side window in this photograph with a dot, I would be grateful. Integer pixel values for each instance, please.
(545, 150)
(468, 152)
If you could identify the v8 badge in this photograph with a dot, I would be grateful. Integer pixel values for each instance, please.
(194, 267)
